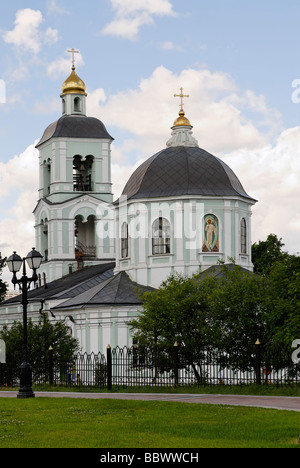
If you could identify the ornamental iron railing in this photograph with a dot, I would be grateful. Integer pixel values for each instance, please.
(141, 367)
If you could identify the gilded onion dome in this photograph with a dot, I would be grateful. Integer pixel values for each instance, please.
(74, 84)
(182, 121)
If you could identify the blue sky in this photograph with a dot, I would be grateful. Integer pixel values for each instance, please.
(236, 59)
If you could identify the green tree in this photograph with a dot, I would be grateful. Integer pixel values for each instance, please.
(41, 336)
(282, 300)
(239, 315)
(179, 311)
(3, 286)
(205, 313)
(266, 253)
(227, 312)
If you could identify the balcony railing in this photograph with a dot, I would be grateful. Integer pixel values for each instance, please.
(82, 184)
(84, 252)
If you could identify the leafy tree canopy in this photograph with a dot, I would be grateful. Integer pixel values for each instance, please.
(228, 312)
(41, 336)
(283, 300)
(266, 253)
(203, 313)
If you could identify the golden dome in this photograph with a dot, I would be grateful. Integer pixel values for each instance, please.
(73, 84)
(182, 120)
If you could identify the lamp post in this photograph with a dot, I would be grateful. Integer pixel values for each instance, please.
(14, 264)
(258, 362)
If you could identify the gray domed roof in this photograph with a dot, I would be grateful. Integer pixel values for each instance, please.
(74, 126)
(178, 171)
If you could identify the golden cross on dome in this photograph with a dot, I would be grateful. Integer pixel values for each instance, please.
(181, 95)
(73, 52)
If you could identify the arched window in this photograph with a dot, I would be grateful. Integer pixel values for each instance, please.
(124, 241)
(243, 236)
(161, 240)
(77, 104)
(63, 106)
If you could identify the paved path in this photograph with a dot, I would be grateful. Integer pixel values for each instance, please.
(282, 403)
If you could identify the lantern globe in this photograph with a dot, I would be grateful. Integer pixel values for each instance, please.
(14, 263)
(34, 259)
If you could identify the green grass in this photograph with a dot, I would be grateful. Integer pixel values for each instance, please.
(91, 423)
(292, 390)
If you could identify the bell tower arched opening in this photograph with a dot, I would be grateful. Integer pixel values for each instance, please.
(85, 238)
(83, 173)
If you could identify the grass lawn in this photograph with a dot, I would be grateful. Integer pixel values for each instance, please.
(87, 423)
(292, 390)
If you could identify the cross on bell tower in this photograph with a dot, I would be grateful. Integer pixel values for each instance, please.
(73, 52)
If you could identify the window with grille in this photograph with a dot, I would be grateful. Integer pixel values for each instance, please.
(161, 241)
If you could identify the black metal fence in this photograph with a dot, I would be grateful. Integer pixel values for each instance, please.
(133, 367)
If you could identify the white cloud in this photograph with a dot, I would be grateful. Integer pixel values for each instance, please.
(26, 31)
(51, 36)
(54, 7)
(150, 110)
(19, 74)
(19, 193)
(20, 172)
(48, 106)
(168, 45)
(62, 66)
(271, 174)
(131, 15)
(132, 7)
(27, 34)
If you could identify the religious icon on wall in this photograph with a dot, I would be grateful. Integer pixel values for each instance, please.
(210, 234)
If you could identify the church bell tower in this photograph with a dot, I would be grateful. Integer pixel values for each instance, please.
(74, 187)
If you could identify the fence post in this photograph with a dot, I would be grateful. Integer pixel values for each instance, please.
(258, 362)
(176, 364)
(109, 368)
(50, 365)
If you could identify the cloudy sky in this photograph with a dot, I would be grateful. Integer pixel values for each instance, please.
(239, 61)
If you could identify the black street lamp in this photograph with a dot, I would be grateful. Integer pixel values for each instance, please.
(14, 264)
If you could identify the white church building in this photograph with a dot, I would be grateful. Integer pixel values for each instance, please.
(182, 211)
